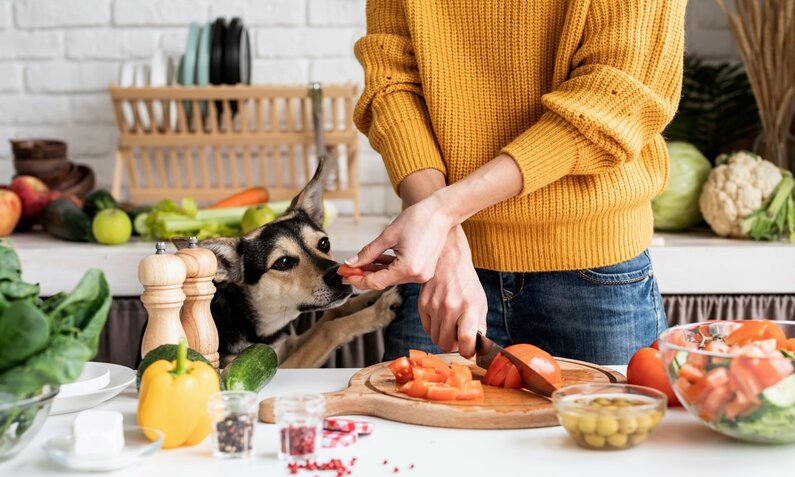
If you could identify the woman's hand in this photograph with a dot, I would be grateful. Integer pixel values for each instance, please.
(416, 237)
(452, 304)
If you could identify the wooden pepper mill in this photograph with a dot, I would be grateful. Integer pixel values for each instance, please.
(162, 276)
(196, 317)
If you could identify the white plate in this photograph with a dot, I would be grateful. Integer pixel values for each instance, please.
(94, 376)
(141, 81)
(127, 79)
(136, 447)
(158, 76)
(120, 378)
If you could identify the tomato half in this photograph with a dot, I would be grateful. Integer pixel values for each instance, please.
(401, 368)
(495, 367)
(790, 345)
(349, 271)
(513, 380)
(542, 362)
(646, 369)
(757, 331)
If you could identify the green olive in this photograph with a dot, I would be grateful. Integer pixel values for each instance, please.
(606, 425)
(621, 402)
(595, 440)
(656, 418)
(644, 423)
(617, 440)
(602, 401)
(637, 438)
(587, 423)
(628, 424)
(570, 422)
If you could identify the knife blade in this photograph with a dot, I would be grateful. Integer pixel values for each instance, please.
(486, 350)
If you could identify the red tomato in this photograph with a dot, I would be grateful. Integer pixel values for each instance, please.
(646, 369)
(429, 375)
(740, 405)
(415, 356)
(790, 345)
(655, 345)
(513, 380)
(441, 392)
(401, 368)
(756, 374)
(713, 405)
(460, 376)
(495, 367)
(700, 390)
(349, 271)
(436, 363)
(473, 390)
(542, 362)
(418, 389)
(691, 373)
(757, 331)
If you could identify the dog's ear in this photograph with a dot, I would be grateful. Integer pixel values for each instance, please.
(310, 199)
(226, 250)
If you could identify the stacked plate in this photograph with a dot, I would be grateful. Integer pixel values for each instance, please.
(216, 53)
(98, 383)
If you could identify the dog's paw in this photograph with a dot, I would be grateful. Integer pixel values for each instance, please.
(387, 306)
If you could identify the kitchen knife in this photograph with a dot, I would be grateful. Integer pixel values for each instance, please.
(487, 350)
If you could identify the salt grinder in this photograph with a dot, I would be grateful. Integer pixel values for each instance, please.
(196, 317)
(162, 276)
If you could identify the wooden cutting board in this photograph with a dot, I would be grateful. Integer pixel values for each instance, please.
(371, 392)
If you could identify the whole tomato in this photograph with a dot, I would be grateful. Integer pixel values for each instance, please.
(646, 369)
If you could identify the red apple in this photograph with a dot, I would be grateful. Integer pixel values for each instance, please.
(10, 211)
(33, 194)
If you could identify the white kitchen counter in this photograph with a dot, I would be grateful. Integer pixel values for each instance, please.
(692, 263)
(680, 446)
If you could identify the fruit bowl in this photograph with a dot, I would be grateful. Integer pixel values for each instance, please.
(737, 377)
(21, 419)
(608, 416)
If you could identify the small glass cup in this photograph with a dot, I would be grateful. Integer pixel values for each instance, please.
(299, 419)
(234, 414)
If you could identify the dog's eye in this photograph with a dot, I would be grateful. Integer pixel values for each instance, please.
(324, 245)
(284, 263)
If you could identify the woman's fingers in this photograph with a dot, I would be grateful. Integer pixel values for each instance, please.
(468, 325)
(371, 252)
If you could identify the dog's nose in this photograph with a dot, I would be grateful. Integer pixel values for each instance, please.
(332, 278)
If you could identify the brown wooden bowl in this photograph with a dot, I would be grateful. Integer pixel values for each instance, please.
(85, 183)
(45, 169)
(38, 148)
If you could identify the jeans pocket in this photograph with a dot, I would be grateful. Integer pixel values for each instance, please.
(631, 271)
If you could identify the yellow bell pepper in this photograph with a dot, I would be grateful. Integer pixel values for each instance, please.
(174, 397)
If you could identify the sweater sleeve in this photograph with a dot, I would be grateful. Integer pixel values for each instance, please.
(392, 110)
(622, 90)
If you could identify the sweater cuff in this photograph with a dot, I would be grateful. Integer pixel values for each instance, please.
(545, 152)
(402, 133)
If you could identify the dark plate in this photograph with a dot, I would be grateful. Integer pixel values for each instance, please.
(232, 52)
(45, 169)
(217, 45)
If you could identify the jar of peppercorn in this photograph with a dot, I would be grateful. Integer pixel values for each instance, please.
(299, 420)
(234, 414)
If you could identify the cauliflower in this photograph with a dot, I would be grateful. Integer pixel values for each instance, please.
(740, 190)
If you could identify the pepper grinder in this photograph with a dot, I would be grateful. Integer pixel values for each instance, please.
(162, 276)
(196, 316)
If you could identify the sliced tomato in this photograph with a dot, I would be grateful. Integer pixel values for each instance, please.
(542, 362)
(790, 345)
(473, 390)
(418, 389)
(349, 271)
(502, 374)
(495, 367)
(699, 391)
(714, 403)
(757, 331)
(691, 373)
(462, 369)
(740, 405)
(441, 392)
(401, 368)
(415, 356)
(513, 380)
(460, 376)
(436, 363)
(428, 375)
(756, 374)
(404, 388)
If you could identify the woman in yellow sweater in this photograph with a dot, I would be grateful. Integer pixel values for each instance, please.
(524, 138)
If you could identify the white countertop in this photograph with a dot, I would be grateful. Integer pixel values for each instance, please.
(692, 263)
(680, 446)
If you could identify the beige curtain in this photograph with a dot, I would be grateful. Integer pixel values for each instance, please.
(682, 309)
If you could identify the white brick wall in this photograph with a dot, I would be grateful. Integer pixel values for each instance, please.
(58, 56)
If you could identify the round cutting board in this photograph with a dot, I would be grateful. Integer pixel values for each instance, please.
(372, 392)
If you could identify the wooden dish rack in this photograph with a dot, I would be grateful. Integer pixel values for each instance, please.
(269, 142)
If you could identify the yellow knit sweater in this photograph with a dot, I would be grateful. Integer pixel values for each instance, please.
(577, 92)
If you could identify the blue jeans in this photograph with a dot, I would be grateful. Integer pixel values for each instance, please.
(601, 315)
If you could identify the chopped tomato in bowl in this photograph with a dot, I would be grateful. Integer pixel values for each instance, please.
(737, 377)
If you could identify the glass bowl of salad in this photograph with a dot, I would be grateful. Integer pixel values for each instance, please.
(737, 377)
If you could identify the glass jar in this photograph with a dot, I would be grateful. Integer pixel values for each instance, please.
(299, 420)
(233, 415)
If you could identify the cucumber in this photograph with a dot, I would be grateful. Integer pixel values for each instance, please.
(781, 394)
(98, 200)
(167, 352)
(64, 220)
(680, 358)
(251, 370)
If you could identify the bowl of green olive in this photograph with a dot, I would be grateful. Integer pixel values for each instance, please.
(609, 416)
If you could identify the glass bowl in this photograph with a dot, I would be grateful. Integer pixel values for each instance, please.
(137, 447)
(609, 416)
(741, 385)
(21, 420)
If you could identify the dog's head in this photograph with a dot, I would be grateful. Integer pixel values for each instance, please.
(284, 267)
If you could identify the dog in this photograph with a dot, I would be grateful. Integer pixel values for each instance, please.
(269, 276)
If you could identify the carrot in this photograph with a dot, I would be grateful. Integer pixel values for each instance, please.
(251, 196)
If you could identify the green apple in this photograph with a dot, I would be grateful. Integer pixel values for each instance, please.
(112, 227)
(255, 217)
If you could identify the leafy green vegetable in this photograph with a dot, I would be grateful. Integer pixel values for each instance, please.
(677, 207)
(24, 331)
(168, 219)
(60, 363)
(768, 424)
(776, 218)
(9, 262)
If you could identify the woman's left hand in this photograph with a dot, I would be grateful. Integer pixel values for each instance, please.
(416, 237)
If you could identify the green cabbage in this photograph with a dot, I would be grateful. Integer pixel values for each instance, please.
(677, 207)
